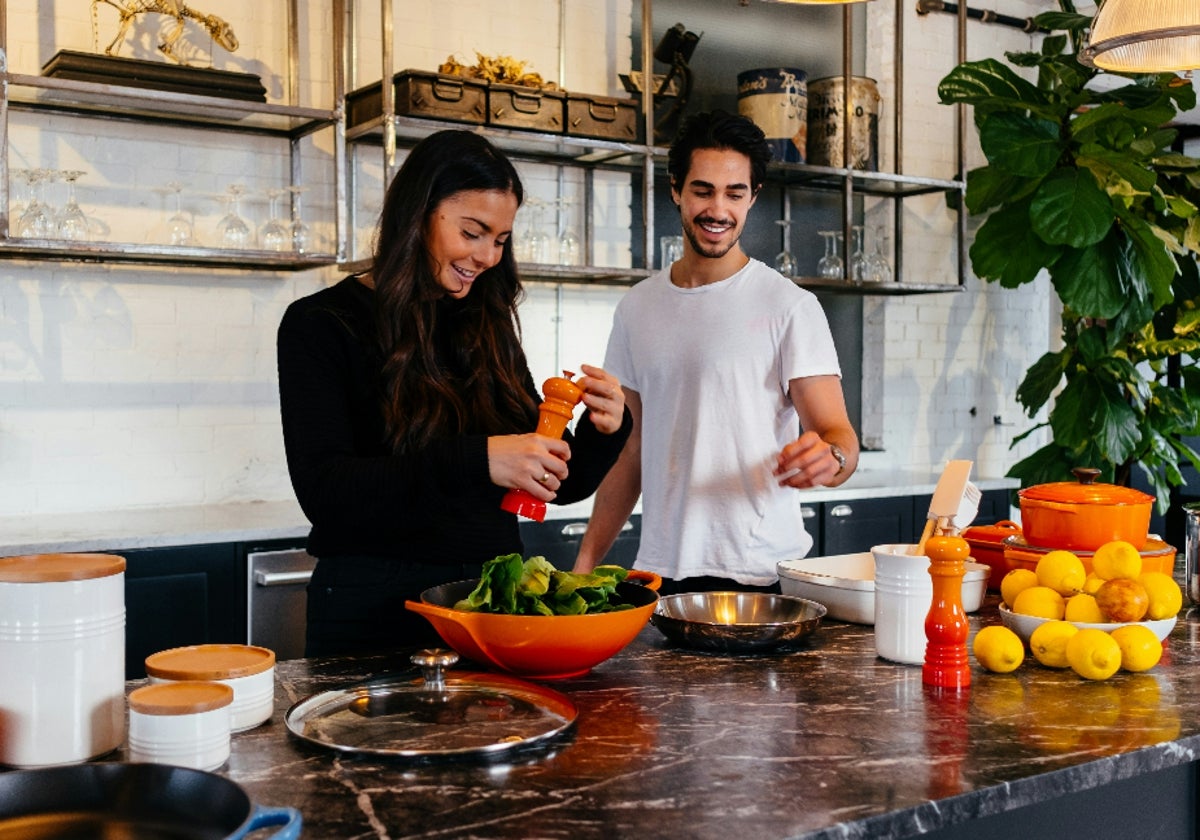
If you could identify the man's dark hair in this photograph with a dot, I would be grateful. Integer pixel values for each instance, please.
(719, 129)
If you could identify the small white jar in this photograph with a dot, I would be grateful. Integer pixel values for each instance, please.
(247, 669)
(185, 724)
(903, 593)
(62, 658)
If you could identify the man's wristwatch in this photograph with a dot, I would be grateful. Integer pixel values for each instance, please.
(837, 453)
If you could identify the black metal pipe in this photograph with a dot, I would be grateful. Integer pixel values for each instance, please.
(924, 7)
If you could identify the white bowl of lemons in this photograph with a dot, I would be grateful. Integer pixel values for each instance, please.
(1024, 625)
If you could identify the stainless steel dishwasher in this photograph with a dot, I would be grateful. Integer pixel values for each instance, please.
(276, 599)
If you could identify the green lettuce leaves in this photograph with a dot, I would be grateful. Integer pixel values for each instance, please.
(512, 586)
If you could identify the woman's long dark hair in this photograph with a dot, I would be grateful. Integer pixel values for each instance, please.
(450, 367)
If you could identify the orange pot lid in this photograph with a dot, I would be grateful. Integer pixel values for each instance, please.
(209, 662)
(1075, 493)
(56, 568)
(180, 698)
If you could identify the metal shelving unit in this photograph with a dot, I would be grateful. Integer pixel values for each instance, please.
(289, 123)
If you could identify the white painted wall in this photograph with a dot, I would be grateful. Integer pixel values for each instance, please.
(125, 387)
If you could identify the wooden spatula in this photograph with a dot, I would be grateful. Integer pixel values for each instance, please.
(947, 498)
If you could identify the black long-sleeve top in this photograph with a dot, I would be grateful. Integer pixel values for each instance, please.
(434, 506)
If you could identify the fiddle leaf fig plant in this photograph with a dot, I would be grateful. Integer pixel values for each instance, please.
(1083, 181)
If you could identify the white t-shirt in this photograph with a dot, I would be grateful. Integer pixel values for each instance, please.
(712, 366)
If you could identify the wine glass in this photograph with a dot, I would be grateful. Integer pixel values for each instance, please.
(785, 263)
(37, 219)
(569, 246)
(232, 229)
(858, 258)
(830, 266)
(301, 235)
(274, 235)
(179, 229)
(878, 268)
(72, 223)
(539, 240)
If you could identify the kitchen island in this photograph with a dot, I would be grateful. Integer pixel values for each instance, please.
(824, 740)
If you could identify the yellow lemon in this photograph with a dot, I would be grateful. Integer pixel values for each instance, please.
(998, 649)
(1062, 571)
(1166, 598)
(1083, 608)
(1014, 582)
(1140, 648)
(1092, 583)
(1117, 559)
(1048, 643)
(1093, 654)
(1040, 601)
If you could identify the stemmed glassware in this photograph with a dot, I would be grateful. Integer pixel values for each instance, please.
(539, 240)
(232, 228)
(878, 268)
(72, 223)
(301, 235)
(37, 219)
(858, 258)
(569, 246)
(179, 229)
(830, 266)
(785, 263)
(274, 235)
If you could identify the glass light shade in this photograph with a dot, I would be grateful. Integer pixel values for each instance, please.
(1145, 36)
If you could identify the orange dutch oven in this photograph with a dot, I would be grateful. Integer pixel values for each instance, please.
(1083, 515)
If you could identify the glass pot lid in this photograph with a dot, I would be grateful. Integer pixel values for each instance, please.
(435, 716)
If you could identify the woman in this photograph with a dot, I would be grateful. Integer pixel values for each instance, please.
(408, 405)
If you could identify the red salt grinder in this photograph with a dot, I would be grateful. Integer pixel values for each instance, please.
(556, 410)
(946, 664)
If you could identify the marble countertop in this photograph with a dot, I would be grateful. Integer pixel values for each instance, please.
(821, 741)
(157, 527)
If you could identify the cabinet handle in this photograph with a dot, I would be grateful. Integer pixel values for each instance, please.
(577, 529)
(807, 512)
(281, 578)
(842, 510)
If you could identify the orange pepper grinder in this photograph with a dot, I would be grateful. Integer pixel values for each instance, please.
(946, 664)
(555, 411)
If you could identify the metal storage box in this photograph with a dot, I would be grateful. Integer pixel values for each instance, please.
(516, 106)
(423, 94)
(604, 117)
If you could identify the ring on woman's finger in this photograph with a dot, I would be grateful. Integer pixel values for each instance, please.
(545, 477)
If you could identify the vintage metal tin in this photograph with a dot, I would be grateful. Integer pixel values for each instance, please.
(826, 107)
(422, 94)
(517, 106)
(605, 117)
(776, 99)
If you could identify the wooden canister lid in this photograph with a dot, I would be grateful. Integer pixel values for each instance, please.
(55, 568)
(209, 662)
(180, 698)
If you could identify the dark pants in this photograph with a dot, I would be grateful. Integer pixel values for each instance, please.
(707, 583)
(356, 604)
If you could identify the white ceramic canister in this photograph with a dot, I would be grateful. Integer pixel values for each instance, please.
(248, 669)
(903, 594)
(185, 724)
(62, 658)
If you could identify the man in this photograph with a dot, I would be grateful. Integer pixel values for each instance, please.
(719, 356)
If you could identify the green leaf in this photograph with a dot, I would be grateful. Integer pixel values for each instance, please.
(1086, 413)
(1040, 381)
(1088, 282)
(1111, 167)
(989, 187)
(1007, 249)
(1062, 21)
(1069, 208)
(1049, 464)
(990, 83)
(1151, 259)
(1021, 145)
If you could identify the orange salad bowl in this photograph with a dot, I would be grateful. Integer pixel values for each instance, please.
(543, 647)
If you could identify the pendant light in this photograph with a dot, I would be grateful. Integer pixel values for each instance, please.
(1144, 36)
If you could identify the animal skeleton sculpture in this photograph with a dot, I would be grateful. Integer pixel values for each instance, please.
(127, 10)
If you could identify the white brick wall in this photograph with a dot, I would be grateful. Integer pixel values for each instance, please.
(140, 386)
